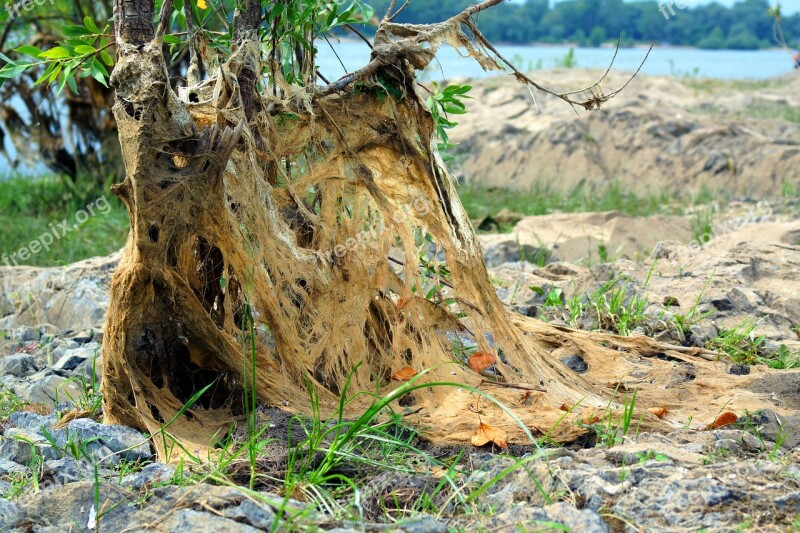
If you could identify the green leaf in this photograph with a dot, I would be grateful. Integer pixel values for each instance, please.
(89, 23)
(107, 59)
(85, 49)
(171, 39)
(75, 31)
(55, 53)
(12, 71)
(29, 50)
(73, 85)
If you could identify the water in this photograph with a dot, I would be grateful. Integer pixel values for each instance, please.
(663, 61)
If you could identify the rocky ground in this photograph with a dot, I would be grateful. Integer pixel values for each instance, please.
(62, 470)
(672, 134)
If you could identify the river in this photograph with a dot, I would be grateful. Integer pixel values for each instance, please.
(663, 61)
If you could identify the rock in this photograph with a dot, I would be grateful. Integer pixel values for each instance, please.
(191, 521)
(19, 365)
(49, 389)
(575, 363)
(510, 251)
(31, 421)
(149, 475)
(104, 442)
(25, 334)
(18, 445)
(739, 370)
(251, 513)
(773, 428)
(75, 357)
(10, 514)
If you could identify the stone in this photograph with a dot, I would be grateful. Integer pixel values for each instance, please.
(149, 475)
(191, 521)
(575, 363)
(73, 358)
(249, 512)
(19, 365)
(104, 442)
(25, 334)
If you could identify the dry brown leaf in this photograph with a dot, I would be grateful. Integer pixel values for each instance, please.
(480, 361)
(725, 419)
(590, 416)
(660, 412)
(565, 407)
(487, 433)
(617, 385)
(404, 374)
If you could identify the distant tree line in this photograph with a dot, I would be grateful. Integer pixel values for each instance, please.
(746, 25)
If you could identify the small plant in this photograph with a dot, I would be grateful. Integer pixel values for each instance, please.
(9, 402)
(442, 104)
(616, 309)
(89, 398)
(612, 431)
(568, 61)
(740, 343)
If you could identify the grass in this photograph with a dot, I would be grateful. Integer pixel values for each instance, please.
(30, 208)
(745, 347)
(542, 199)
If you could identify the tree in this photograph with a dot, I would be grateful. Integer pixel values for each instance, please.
(293, 240)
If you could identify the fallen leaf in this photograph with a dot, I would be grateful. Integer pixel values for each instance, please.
(660, 412)
(487, 433)
(480, 361)
(725, 419)
(438, 472)
(404, 374)
(565, 407)
(617, 385)
(590, 416)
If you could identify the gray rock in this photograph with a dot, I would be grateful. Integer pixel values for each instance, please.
(7, 466)
(18, 445)
(191, 521)
(10, 514)
(31, 421)
(50, 389)
(249, 512)
(149, 475)
(25, 334)
(575, 363)
(19, 365)
(105, 442)
(73, 358)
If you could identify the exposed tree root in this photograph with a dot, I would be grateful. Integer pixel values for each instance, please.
(284, 210)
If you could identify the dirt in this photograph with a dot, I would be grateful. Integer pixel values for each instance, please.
(680, 135)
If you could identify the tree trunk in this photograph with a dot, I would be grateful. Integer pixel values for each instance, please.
(285, 231)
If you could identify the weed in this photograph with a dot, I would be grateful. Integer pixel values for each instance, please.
(612, 431)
